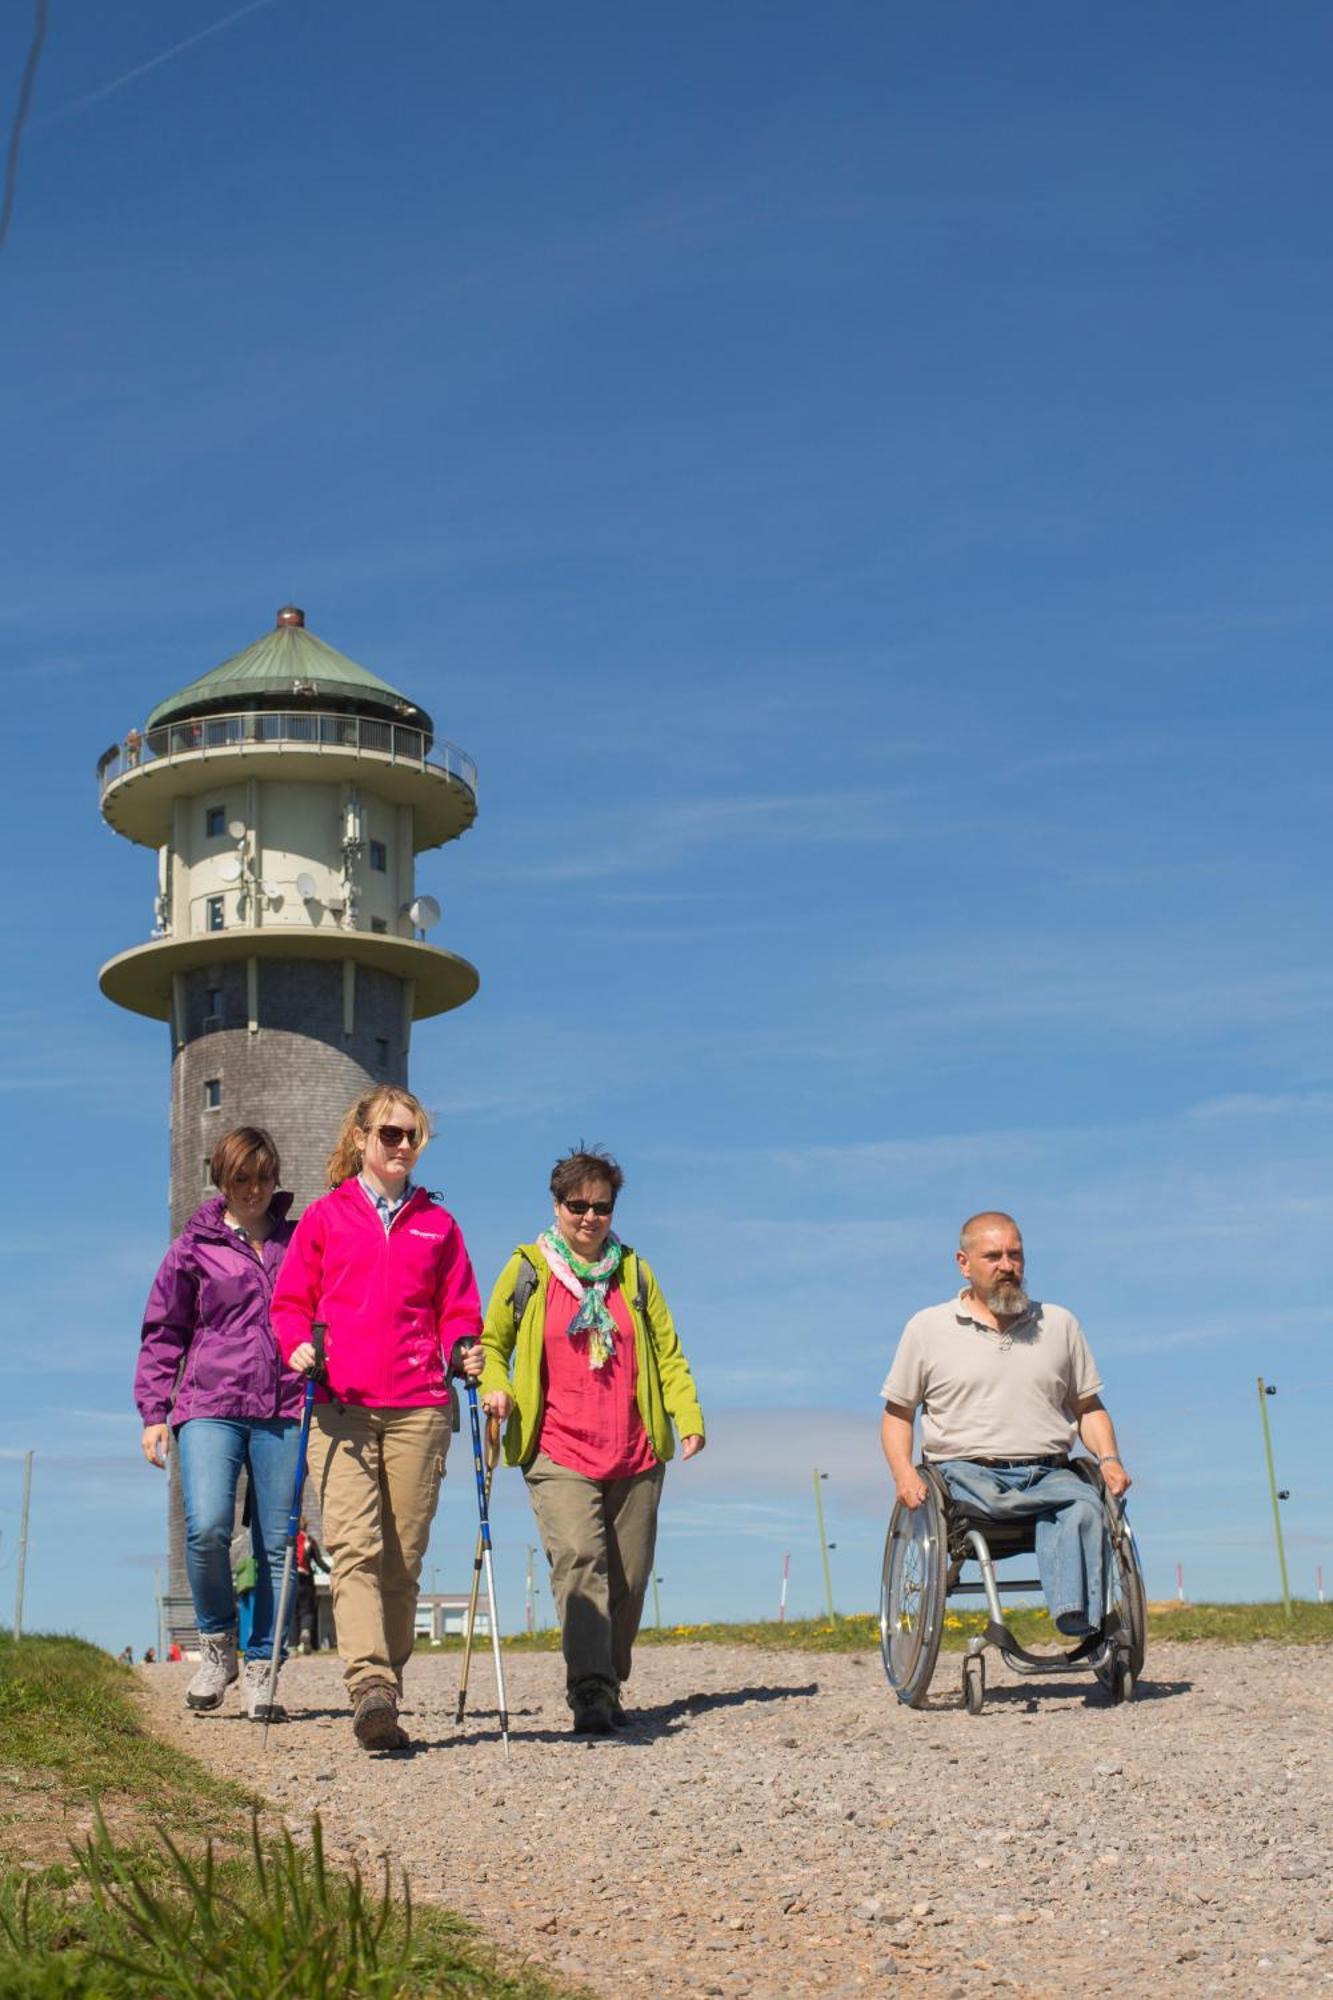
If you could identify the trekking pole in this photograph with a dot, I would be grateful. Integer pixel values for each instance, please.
(317, 1333)
(492, 1460)
(485, 1538)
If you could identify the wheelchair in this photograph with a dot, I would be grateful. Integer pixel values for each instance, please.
(924, 1553)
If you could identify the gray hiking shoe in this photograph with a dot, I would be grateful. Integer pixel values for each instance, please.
(256, 1693)
(218, 1668)
(375, 1718)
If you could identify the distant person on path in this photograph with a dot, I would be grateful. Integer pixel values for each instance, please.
(210, 1375)
(598, 1379)
(1005, 1384)
(383, 1264)
(309, 1555)
(149, 1656)
(126, 1656)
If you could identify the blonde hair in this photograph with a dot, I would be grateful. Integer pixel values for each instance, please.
(345, 1159)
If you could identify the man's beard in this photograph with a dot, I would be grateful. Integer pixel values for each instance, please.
(1007, 1298)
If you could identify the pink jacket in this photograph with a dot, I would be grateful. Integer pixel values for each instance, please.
(394, 1301)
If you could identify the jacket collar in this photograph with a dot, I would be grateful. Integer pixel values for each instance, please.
(206, 1222)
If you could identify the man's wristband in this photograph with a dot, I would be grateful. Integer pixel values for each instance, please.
(1109, 1458)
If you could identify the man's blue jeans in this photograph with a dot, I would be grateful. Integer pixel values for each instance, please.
(212, 1453)
(1070, 1530)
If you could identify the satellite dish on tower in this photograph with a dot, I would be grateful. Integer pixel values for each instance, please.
(305, 886)
(270, 889)
(236, 828)
(229, 868)
(424, 912)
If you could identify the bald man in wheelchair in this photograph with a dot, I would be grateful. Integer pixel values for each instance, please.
(1005, 1384)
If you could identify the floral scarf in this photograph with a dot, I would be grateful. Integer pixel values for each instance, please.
(589, 1284)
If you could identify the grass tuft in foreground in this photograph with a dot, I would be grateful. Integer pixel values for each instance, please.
(127, 1870)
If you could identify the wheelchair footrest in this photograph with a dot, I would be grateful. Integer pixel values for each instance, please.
(1023, 1662)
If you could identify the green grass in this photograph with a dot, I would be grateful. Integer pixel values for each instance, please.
(178, 1891)
(1225, 1624)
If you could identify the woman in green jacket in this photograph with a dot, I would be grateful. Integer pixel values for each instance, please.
(598, 1379)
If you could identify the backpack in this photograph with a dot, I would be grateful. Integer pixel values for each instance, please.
(525, 1284)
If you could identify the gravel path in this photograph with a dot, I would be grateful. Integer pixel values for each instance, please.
(775, 1824)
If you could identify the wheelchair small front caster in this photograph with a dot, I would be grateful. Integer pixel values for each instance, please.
(1122, 1677)
(974, 1683)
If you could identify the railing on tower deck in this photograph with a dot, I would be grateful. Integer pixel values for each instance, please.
(305, 729)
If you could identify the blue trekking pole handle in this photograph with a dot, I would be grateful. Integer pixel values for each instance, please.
(483, 1512)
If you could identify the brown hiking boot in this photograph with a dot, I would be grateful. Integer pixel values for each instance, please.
(375, 1718)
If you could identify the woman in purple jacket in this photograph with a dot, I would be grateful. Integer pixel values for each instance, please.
(210, 1372)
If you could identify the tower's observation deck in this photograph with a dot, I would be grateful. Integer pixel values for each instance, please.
(287, 794)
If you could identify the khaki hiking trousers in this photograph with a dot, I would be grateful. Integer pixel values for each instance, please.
(378, 1474)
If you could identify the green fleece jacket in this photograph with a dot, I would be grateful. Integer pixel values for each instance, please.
(664, 1389)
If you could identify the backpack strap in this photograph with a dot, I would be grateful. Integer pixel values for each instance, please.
(525, 1284)
(640, 1283)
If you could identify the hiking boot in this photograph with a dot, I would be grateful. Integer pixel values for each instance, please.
(218, 1668)
(375, 1718)
(620, 1716)
(593, 1715)
(256, 1693)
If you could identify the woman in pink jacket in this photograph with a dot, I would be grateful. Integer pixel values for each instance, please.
(383, 1265)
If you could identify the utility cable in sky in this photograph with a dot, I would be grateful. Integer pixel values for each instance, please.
(39, 20)
(91, 97)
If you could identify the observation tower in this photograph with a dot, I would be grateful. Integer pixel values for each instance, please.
(286, 794)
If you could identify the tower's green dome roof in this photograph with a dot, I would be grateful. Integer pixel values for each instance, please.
(290, 668)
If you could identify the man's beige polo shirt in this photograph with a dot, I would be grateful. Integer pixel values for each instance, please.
(987, 1394)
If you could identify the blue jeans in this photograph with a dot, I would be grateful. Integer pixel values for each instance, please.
(1070, 1530)
(212, 1453)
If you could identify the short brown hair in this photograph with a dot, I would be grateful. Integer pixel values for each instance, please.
(584, 1163)
(248, 1146)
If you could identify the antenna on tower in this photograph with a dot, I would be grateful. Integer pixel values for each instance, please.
(424, 912)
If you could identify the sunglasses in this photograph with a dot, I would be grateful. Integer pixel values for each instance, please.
(582, 1207)
(397, 1135)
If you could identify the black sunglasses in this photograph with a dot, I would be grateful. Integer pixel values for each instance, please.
(396, 1135)
(582, 1207)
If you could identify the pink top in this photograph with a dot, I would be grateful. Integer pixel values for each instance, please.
(395, 1301)
(590, 1420)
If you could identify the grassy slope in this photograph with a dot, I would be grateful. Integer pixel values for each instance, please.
(273, 1919)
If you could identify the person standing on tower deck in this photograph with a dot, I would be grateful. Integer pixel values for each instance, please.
(209, 1374)
(382, 1264)
(598, 1378)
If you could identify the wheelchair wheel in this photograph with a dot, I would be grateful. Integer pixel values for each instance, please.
(974, 1683)
(1118, 1679)
(1126, 1599)
(911, 1597)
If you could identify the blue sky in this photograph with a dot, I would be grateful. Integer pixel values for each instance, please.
(856, 479)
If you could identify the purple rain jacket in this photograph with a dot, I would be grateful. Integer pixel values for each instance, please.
(207, 1349)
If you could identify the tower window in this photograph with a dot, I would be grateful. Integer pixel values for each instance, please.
(215, 915)
(208, 1170)
(212, 1093)
(382, 1051)
(215, 822)
(379, 856)
(379, 925)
